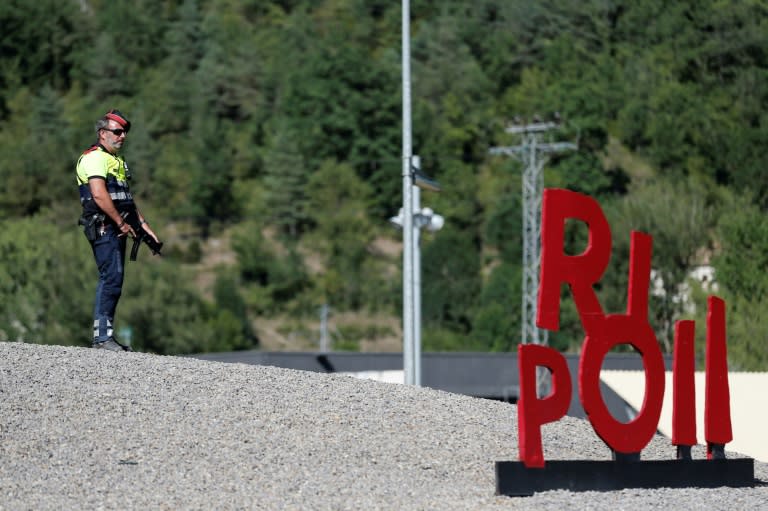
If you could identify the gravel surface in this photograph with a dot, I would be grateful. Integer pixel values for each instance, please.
(91, 429)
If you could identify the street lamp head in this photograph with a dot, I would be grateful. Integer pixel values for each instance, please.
(424, 219)
(397, 221)
(436, 223)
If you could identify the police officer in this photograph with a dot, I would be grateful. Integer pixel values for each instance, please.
(102, 177)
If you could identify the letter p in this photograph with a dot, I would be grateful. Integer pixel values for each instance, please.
(533, 412)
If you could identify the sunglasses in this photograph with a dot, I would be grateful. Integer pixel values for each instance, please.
(116, 131)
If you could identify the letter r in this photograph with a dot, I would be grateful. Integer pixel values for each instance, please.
(580, 271)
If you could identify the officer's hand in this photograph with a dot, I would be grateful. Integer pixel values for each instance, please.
(125, 229)
(151, 232)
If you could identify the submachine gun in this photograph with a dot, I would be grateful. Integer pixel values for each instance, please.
(132, 219)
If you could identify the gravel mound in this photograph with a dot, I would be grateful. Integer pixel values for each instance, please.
(91, 429)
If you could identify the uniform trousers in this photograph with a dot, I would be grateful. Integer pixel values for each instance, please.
(109, 253)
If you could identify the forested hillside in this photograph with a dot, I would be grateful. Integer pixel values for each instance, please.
(266, 151)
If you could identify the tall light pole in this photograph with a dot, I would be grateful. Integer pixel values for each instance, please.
(416, 287)
(408, 280)
(422, 218)
(412, 218)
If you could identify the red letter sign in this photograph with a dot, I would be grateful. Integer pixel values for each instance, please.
(532, 412)
(619, 329)
(603, 331)
(580, 271)
(684, 386)
(717, 401)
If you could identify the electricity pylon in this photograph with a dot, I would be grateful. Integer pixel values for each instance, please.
(533, 151)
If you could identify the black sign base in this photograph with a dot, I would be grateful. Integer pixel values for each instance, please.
(513, 478)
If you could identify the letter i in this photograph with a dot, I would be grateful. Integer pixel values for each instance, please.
(684, 390)
(717, 404)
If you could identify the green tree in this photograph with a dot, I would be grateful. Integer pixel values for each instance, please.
(164, 314)
(232, 309)
(450, 281)
(273, 275)
(335, 95)
(31, 176)
(285, 178)
(503, 229)
(496, 324)
(679, 216)
(111, 79)
(211, 197)
(742, 259)
(38, 42)
(46, 296)
(337, 204)
(745, 316)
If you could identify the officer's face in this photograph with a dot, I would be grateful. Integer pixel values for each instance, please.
(113, 136)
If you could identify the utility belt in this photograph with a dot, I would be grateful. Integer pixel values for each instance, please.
(94, 221)
(93, 224)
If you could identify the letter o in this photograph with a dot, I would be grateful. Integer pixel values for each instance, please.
(633, 436)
